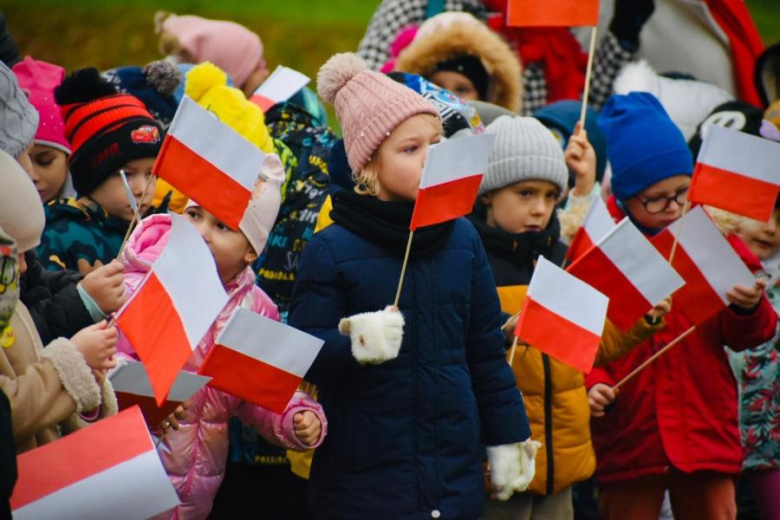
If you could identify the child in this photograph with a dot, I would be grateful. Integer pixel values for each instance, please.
(51, 150)
(408, 413)
(109, 133)
(62, 387)
(515, 217)
(195, 453)
(674, 426)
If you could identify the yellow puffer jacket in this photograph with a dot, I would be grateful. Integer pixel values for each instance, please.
(557, 403)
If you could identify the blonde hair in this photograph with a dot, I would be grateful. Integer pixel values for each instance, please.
(367, 179)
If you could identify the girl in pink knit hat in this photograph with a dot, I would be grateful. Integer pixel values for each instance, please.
(413, 393)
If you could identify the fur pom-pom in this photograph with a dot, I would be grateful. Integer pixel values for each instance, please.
(637, 77)
(164, 76)
(81, 86)
(336, 73)
(202, 78)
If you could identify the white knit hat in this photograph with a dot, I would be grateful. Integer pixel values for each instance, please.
(524, 150)
(21, 211)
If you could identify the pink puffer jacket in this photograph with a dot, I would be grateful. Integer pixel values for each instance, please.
(195, 455)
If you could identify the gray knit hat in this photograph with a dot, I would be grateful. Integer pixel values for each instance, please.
(524, 150)
(18, 118)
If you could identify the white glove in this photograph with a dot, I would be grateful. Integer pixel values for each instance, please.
(376, 336)
(512, 467)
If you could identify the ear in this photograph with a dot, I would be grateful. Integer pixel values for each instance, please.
(250, 255)
(486, 198)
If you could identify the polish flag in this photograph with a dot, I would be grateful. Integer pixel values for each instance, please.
(260, 360)
(108, 470)
(450, 180)
(209, 162)
(280, 86)
(630, 271)
(553, 13)
(737, 172)
(132, 388)
(707, 263)
(562, 316)
(174, 307)
(596, 225)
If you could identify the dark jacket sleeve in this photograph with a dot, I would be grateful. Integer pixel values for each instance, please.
(53, 301)
(501, 407)
(317, 306)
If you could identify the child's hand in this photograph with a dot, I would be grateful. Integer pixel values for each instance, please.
(172, 421)
(747, 297)
(599, 397)
(97, 343)
(661, 310)
(307, 427)
(376, 336)
(581, 160)
(106, 286)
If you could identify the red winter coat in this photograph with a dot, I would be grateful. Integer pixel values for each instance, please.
(682, 409)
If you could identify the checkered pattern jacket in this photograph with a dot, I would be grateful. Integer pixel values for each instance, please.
(393, 15)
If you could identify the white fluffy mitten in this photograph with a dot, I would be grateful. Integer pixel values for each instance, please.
(376, 336)
(512, 467)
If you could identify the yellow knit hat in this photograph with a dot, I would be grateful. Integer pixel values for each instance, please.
(207, 85)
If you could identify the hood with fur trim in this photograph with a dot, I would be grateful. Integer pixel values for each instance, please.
(475, 39)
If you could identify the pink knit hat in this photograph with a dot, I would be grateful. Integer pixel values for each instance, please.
(230, 46)
(39, 79)
(369, 105)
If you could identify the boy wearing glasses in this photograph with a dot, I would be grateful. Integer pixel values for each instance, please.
(675, 426)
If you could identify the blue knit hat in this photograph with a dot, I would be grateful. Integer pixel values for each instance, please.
(643, 144)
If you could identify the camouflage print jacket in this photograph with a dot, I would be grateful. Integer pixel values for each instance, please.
(79, 235)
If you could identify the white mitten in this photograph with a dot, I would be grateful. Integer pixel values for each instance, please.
(512, 467)
(376, 336)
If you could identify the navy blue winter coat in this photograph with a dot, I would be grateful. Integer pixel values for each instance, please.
(406, 438)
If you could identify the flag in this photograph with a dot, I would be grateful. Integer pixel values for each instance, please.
(737, 172)
(132, 387)
(596, 225)
(280, 86)
(707, 263)
(108, 470)
(174, 307)
(628, 269)
(130, 196)
(450, 180)
(260, 360)
(553, 13)
(562, 316)
(209, 162)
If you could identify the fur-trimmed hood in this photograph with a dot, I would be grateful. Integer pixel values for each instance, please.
(475, 39)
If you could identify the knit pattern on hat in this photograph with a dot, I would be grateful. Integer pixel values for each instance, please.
(369, 105)
(18, 118)
(524, 150)
(21, 211)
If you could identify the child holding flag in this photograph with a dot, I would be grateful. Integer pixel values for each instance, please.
(109, 133)
(515, 217)
(412, 393)
(674, 426)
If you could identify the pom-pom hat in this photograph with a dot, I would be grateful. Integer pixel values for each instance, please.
(369, 105)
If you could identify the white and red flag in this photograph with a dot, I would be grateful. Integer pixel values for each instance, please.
(552, 13)
(737, 172)
(209, 162)
(280, 86)
(626, 267)
(260, 360)
(108, 470)
(450, 180)
(707, 263)
(596, 225)
(562, 316)
(132, 388)
(174, 306)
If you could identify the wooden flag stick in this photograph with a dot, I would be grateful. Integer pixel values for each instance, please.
(655, 356)
(505, 325)
(679, 231)
(588, 74)
(134, 220)
(403, 269)
(512, 351)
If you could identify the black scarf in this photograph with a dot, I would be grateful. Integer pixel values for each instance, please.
(386, 224)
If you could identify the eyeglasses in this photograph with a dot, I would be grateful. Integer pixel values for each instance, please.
(660, 204)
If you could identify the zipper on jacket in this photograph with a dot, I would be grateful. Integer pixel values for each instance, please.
(548, 437)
